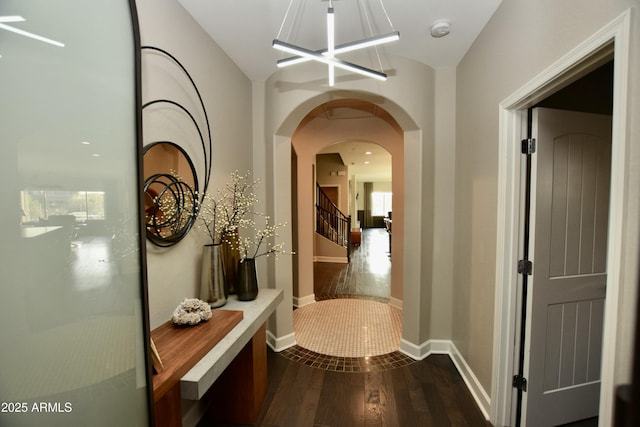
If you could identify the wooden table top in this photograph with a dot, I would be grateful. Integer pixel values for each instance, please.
(181, 347)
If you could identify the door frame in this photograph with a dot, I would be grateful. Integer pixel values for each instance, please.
(612, 41)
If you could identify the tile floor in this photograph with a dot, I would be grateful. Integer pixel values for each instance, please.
(350, 329)
(347, 364)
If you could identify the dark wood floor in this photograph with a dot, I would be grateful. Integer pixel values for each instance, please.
(425, 393)
(366, 276)
(591, 422)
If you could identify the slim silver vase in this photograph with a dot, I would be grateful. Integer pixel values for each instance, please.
(212, 283)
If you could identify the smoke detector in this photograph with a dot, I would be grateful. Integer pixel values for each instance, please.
(440, 28)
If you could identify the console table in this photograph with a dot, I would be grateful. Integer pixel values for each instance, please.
(229, 382)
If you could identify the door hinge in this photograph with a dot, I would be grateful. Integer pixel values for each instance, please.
(520, 382)
(525, 267)
(529, 146)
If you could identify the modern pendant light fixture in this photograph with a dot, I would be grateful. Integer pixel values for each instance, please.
(328, 56)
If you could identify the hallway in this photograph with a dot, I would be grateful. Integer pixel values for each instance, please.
(429, 393)
(367, 276)
(308, 388)
(352, 298)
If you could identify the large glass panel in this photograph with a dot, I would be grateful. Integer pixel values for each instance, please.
(71, 294)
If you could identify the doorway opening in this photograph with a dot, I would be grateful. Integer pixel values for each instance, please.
(334, 144)
(563, 263)
(610, 43)
(351, 174)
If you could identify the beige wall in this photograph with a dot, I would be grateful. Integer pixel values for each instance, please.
(520, 41)
(174, 273)
(444, 194)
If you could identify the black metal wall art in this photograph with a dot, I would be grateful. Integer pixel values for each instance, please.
(171, 188)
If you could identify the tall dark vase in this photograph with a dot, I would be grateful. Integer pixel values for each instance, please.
(247, 283)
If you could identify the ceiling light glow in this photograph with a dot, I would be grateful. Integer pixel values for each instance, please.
(287, 47)
(11, 18)
(25, 33)
(343, 48)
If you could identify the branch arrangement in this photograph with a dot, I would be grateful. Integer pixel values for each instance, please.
(221, 216)
(233, 211)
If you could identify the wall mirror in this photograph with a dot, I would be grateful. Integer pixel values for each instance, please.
(170, 191)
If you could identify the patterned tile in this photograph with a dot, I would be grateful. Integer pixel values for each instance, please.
(348, 335)
(348, 327)
(351, 327)
(347, 364)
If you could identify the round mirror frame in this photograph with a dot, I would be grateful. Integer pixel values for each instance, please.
(170, 202)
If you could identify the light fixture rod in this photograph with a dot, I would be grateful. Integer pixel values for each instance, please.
(331, 42)
(342, 48)
(14, 18)
(328, 56)
(300, 51)
(30, 35)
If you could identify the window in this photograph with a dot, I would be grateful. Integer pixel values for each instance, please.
(84, 205)
(380, 203)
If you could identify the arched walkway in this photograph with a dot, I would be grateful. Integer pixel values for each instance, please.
(417, 257)
(352, 316)
(327, 124)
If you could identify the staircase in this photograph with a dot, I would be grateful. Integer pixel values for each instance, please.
(331, 222)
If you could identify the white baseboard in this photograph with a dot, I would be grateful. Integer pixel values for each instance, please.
(395, 302)
(440, 347)
(338, 259)
(302, 301)
(279, 344)
(425, 349)
(413, 351)
(477, 391)
(420, 352)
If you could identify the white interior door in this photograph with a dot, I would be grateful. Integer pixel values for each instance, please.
(570, 206)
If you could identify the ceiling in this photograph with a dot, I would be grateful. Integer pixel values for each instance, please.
(368, 161)
(245, 29)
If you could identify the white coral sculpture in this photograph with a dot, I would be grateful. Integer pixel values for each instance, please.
(191, 311)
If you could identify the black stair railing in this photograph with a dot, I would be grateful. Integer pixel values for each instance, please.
(331, 222)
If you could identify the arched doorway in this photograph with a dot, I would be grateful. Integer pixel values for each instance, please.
(416, 266)
(355, 176)
(330, 124)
